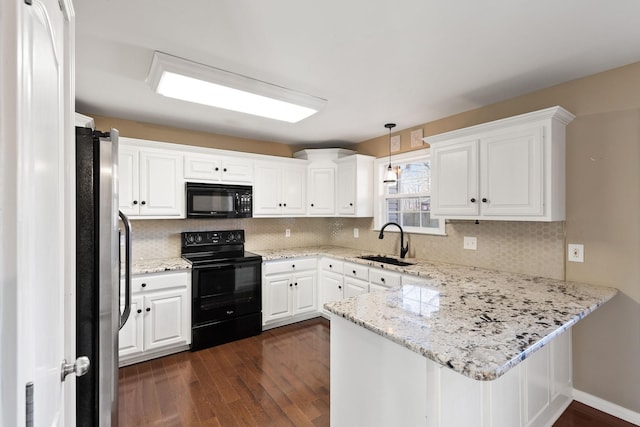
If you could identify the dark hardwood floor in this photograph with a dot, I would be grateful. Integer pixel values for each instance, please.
(279, 378)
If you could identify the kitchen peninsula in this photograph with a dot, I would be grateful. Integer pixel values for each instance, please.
(461, 346)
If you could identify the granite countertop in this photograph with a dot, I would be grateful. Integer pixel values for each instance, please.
(146, 266)
(478, 322)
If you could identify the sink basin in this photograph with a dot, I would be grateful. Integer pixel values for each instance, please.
(385, 260)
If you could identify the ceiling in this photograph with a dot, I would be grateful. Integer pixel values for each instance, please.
(375, 61)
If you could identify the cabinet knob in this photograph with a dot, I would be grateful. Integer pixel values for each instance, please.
(296, 283)
(330, 265)
(350, 204)
(291, 285)
(148, 309)
(484, 200)
(279, 204)
(143, 202)
(144, 285)
(382, 279)
(311, 204)
(217, 169)
(293, 266)
(284, 204)
(139, 310)
(339, 286)
(473, 200)
(135, 202)
(354, 272)
(224, 170)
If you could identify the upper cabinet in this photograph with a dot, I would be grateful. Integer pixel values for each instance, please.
(218, 169)
(355, 186)
(279, 188)
(511, 169)
(150, 181)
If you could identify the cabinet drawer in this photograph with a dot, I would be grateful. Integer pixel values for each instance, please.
(330, 264)
(356, 270)
(289, 266)
(384, 278)
(154, 282)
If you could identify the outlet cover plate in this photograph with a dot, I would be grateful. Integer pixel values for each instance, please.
(471, 243)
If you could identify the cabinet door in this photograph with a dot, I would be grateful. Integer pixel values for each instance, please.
(511, 173)
(276, 298)
(202, 167)
(330, 288)
(294, 189)
(237, 170)
(346, 188)
(128, 197)
(454, 178)
(131, 336)
(321, 193)
(304, 294)
(161, 192)
(267, 199)
(353, 287)
(166, 319)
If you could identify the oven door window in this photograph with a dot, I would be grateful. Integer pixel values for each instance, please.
(226, 290)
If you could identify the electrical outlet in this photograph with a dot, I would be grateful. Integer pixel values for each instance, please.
(287, 233)
(471, 243)
(576, 253)
(356, 233)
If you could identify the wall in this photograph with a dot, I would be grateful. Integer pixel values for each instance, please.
(603, 213)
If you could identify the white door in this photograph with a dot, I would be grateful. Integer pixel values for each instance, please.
(454, 179)
(37, 214)
(128, 186)
(294, 189)
(160, 193)
(321, 194)
(347, 187)
(277, 296)
(164, 319)
(305, 295)
(267, 197)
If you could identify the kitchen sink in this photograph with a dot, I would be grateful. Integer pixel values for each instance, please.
(385, 259)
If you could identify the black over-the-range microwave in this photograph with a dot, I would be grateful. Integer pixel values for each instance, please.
(219, 200)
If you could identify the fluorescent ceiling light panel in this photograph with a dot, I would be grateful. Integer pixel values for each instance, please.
(189, 81)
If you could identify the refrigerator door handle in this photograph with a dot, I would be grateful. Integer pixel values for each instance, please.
(127, 269)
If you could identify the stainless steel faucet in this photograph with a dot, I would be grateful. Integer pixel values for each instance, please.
(403, 249)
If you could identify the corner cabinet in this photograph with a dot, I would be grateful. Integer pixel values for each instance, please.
(160, 319)
(150, 181)
(279, 189)
(511, 169)
(355, 186)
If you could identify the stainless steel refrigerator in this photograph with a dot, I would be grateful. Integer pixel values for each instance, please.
(102, 305)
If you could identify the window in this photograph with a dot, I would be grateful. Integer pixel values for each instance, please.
(408, 201)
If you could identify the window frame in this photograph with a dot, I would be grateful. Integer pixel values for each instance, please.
(379, 200)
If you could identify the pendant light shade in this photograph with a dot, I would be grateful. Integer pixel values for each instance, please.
(390, 176)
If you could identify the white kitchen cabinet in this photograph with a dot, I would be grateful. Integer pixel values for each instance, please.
(160, 319)
(356, 279)
(321, 190)
(218, 169)
(511, 169)
(150, 182)
(355, 186)
(331, 282)
(279, 189)
(381, 279)
(289, 291)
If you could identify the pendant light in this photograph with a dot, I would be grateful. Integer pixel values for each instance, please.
(390, 177)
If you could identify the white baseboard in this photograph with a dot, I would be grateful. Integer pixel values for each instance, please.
(606, 406)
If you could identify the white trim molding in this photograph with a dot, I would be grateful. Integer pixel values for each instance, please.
(606, 406)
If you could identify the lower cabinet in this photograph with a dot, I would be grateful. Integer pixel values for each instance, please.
(160, 319)
(289, 291)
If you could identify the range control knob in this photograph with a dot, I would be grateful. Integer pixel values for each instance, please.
(190, 238)
(239, 237)
(198, 238)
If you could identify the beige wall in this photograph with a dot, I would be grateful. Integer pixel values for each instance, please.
(603, 213)
(133, 129)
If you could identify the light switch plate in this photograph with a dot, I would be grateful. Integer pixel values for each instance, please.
(575, 253)
(287, 232)
(471, 243)
(356, 233)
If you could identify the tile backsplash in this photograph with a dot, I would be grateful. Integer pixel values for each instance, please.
(535, 248)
